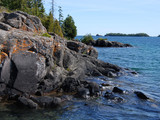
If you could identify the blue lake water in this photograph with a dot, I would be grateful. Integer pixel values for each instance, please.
(144, 58)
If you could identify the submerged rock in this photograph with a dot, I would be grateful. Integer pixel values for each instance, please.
(94, 89)
(141, 95)
(105, 84)
(28, 102)
(110, 96)
(117, 90)
(83, 93)
(47, 101)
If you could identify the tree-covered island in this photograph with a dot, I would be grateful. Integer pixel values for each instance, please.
(132, 35)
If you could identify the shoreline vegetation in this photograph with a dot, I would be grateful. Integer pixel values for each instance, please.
(101, 42)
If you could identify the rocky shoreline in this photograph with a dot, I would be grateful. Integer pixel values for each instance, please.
(39, 71)
(106, 43)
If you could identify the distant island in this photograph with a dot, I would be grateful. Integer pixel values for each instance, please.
(158, 35)
(98, 35)
(133, 35)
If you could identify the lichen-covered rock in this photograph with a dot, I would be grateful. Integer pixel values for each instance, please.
(21, 20)
(37, 65)
(82, 48)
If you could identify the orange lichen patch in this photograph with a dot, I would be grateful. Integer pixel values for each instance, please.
(51, 39)
(89, 50)
(79, 48)
(2, 45)
(5, 42)
(22, 45)
(24, 27)
(56, 47)
(3, 56)
(35, 30)
(41, 56)
(30, 51)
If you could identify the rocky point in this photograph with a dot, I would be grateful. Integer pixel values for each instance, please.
(33, 67)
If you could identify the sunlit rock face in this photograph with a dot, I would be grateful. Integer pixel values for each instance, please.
(36, 65)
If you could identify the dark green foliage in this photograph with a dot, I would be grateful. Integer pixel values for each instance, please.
(87, 39)
(34, 7)
(57, 29)
(52, 25)
(116, 34)
(102, 39)
(50, 22)
(134, 35)
(69, 28)
(3, 9)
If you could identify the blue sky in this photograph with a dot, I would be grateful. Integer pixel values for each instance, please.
(116, 16)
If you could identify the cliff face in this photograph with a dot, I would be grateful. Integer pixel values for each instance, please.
(36, 65)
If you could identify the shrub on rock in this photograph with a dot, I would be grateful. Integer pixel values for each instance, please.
(87, 39)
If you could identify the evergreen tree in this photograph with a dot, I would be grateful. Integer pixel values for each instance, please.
(24, 6)
(57, 29)
(60, 16)
(50, 22)
(34, 7)
(42, 11)
(69, 28)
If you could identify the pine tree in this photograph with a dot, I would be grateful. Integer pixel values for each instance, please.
(50, 20)
(57, 29)
(69, 28)
(34, 7)
(60, 16)
(52, 9)
(24, 6)
(42, 11)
